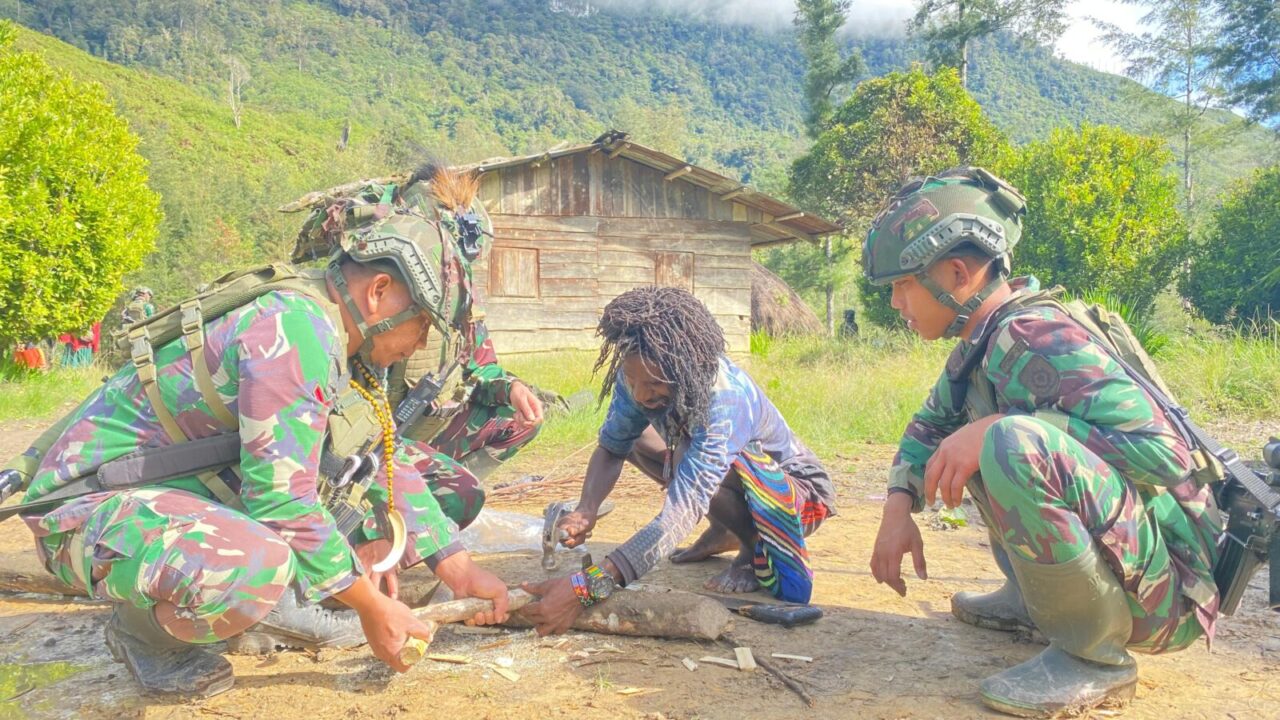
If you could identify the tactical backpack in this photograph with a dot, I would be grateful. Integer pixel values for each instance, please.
(1114, 335)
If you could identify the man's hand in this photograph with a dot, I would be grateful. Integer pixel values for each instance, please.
(467, 579)
(370, 553)
(898, 536)
(388, 625)
(527, 405)
(577, 526)
(955, 461)
(557, 607)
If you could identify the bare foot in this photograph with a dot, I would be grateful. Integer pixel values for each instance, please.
(739, 577)
(713, 541)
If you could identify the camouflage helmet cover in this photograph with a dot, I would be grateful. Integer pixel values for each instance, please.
(932, 216)
(372, 225)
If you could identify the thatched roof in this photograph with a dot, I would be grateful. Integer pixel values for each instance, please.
(777, 309)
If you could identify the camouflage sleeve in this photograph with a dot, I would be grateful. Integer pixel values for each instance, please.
(492, 383)
(1043, 364)
(287, 365)
(928, 428)
(430, 534)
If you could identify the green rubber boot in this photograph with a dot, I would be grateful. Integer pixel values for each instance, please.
(1081, 607)
(1002, 609)
(161, 663)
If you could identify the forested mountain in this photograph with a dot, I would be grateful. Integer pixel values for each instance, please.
(466, 79)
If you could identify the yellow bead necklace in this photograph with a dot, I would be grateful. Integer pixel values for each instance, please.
(381, 410)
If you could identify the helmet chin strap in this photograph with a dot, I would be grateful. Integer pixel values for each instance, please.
(367, 332)
(965, 310)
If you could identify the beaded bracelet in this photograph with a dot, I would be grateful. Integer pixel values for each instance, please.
(579, 581)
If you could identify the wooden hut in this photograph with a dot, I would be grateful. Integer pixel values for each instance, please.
(577, 225)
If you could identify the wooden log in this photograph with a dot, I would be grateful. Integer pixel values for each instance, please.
(655, 612)
(22, 572)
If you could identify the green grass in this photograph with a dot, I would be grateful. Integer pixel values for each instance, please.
(47, 394)
(836, 394)
(1225, 375)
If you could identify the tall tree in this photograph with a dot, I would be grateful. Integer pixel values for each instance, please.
(1173, 53)
(1248, 54)
(1235, 275)
(1103, 213)
(75, 210)
(950, 26)
(826, 73)
(892, 128)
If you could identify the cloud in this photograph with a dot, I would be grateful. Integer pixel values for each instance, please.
(1081, 42)
(868, 17)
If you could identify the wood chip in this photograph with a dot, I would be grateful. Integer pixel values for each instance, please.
(784, 656)
(495, 644)
(632, 691)
(689, 664)
(722, 662)
(477, 630)
(455, 659)
(746, 661)
(508, 674)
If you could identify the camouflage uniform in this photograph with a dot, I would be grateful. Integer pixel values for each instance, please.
(473, 425)
(278, 363)
(1083, 456)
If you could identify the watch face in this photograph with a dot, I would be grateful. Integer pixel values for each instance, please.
(601, 587)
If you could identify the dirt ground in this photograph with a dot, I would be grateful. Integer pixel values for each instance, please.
(875, 655)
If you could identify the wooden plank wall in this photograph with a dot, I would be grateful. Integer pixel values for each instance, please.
(601, 226)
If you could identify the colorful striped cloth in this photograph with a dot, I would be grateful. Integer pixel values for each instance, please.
(781, 560)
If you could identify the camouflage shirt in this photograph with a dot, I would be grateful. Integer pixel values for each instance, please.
(277, 363)
(1043, 364)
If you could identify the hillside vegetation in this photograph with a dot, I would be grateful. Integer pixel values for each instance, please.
(471, 79)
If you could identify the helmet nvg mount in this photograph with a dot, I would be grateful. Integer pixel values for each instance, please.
(933, 216)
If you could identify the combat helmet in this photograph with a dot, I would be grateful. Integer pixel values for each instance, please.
(932, 216)
(140, 291)
(373, 225)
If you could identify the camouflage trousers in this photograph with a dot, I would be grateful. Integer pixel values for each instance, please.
(475, 429)
(209, 571)
(1047, 498)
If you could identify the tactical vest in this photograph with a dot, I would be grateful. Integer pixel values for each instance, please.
(352, 421)
(1109, 330)
(456, 390)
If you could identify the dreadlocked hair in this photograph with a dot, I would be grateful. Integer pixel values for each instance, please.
(677, 337)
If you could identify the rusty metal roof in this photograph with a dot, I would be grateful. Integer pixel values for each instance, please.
(784, 222)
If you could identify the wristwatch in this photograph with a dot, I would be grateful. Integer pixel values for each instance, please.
(593, 584)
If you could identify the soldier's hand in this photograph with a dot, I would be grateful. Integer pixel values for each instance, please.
(954, 462)
(467, 579)
(370, 553)
(898, 535)
(577, 527)
(527, 405)
(388, 625)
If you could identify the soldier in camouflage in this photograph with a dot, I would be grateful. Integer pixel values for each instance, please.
(186, 565)
(1106, 542)
(483, 417)
(139, 307)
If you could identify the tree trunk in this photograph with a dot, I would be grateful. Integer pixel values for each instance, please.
(964, 48)
(831, 288)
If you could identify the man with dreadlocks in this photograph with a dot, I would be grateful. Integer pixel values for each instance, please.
(691, 419)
